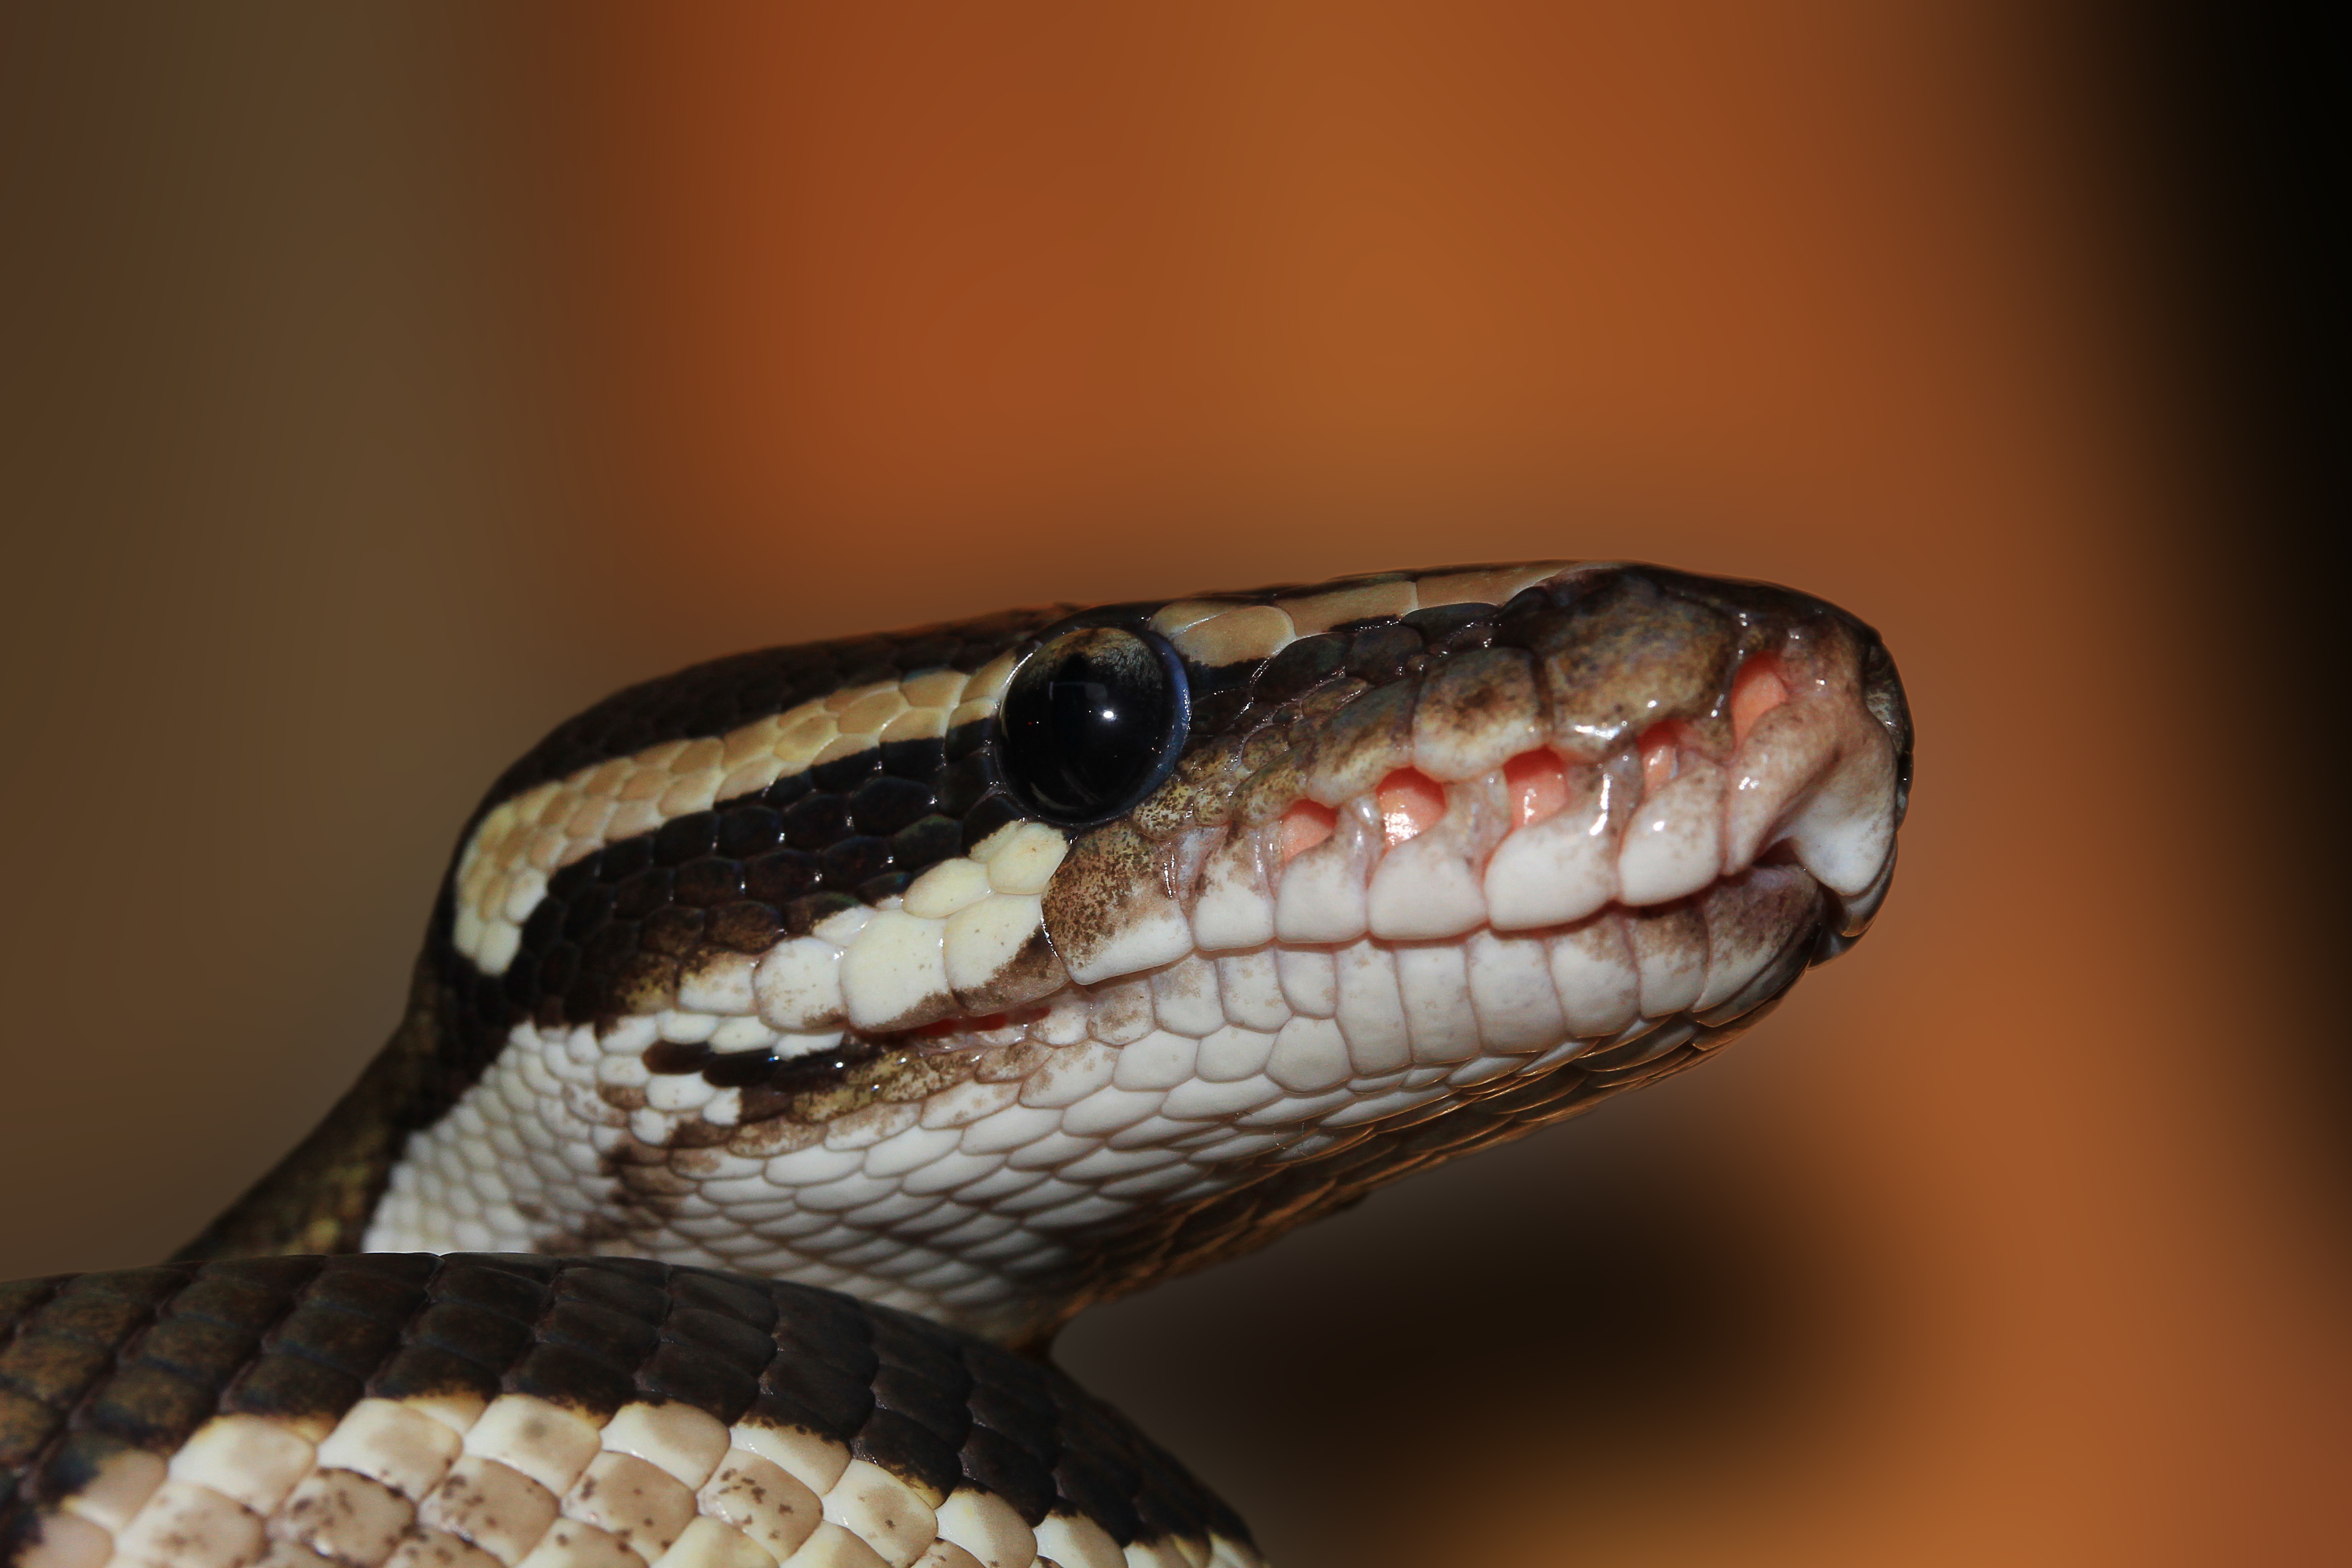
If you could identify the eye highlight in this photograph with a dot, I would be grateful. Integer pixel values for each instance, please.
(1091, 724)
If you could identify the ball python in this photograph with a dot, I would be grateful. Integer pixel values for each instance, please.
(800, 1039)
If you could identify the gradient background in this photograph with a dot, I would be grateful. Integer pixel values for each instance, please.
(377, 387)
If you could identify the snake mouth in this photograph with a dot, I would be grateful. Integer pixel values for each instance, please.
(1548, 840)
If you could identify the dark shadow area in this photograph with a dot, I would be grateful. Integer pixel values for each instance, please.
(2233, 119)
(1592, 1308)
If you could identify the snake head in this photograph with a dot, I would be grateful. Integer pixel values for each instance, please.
(997, 968)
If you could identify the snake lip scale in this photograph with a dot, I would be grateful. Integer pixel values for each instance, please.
(798, 1040)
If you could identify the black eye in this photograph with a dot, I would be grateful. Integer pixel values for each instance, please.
(1091, 724)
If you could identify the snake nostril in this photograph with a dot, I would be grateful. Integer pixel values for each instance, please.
(1411, 803)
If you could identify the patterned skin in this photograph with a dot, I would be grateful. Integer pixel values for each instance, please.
(991, 970)
(473, 1410)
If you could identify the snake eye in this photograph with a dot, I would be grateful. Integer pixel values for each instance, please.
(1091, 724)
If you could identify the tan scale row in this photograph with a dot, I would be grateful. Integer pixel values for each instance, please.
(523, 1483)
(503, 873)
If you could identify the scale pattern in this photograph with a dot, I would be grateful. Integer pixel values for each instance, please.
(472, 1409)
(736, 878)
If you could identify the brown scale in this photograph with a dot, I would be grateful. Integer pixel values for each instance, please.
(95, 1364)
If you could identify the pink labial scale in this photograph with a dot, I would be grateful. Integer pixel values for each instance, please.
(1303, 827)
(1537, 783)
(1757, 690)
(1411, 803)
(1562, 867)
(1659, 749)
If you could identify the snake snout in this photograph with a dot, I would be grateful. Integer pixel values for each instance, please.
(1608, 740)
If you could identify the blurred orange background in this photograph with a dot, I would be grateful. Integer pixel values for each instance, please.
(380, 388)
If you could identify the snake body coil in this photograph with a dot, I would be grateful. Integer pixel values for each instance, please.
(872, 1006)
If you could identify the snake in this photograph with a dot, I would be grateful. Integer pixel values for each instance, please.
(801, 1040)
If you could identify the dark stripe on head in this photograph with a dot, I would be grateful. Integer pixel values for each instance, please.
(725, 693)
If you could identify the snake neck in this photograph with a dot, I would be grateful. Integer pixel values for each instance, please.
(318, 1198)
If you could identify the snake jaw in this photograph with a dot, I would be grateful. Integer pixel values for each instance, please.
(1480, 794)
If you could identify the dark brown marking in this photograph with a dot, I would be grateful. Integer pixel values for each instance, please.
(1033, 972)
(1624, 656)
(1108, 879)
